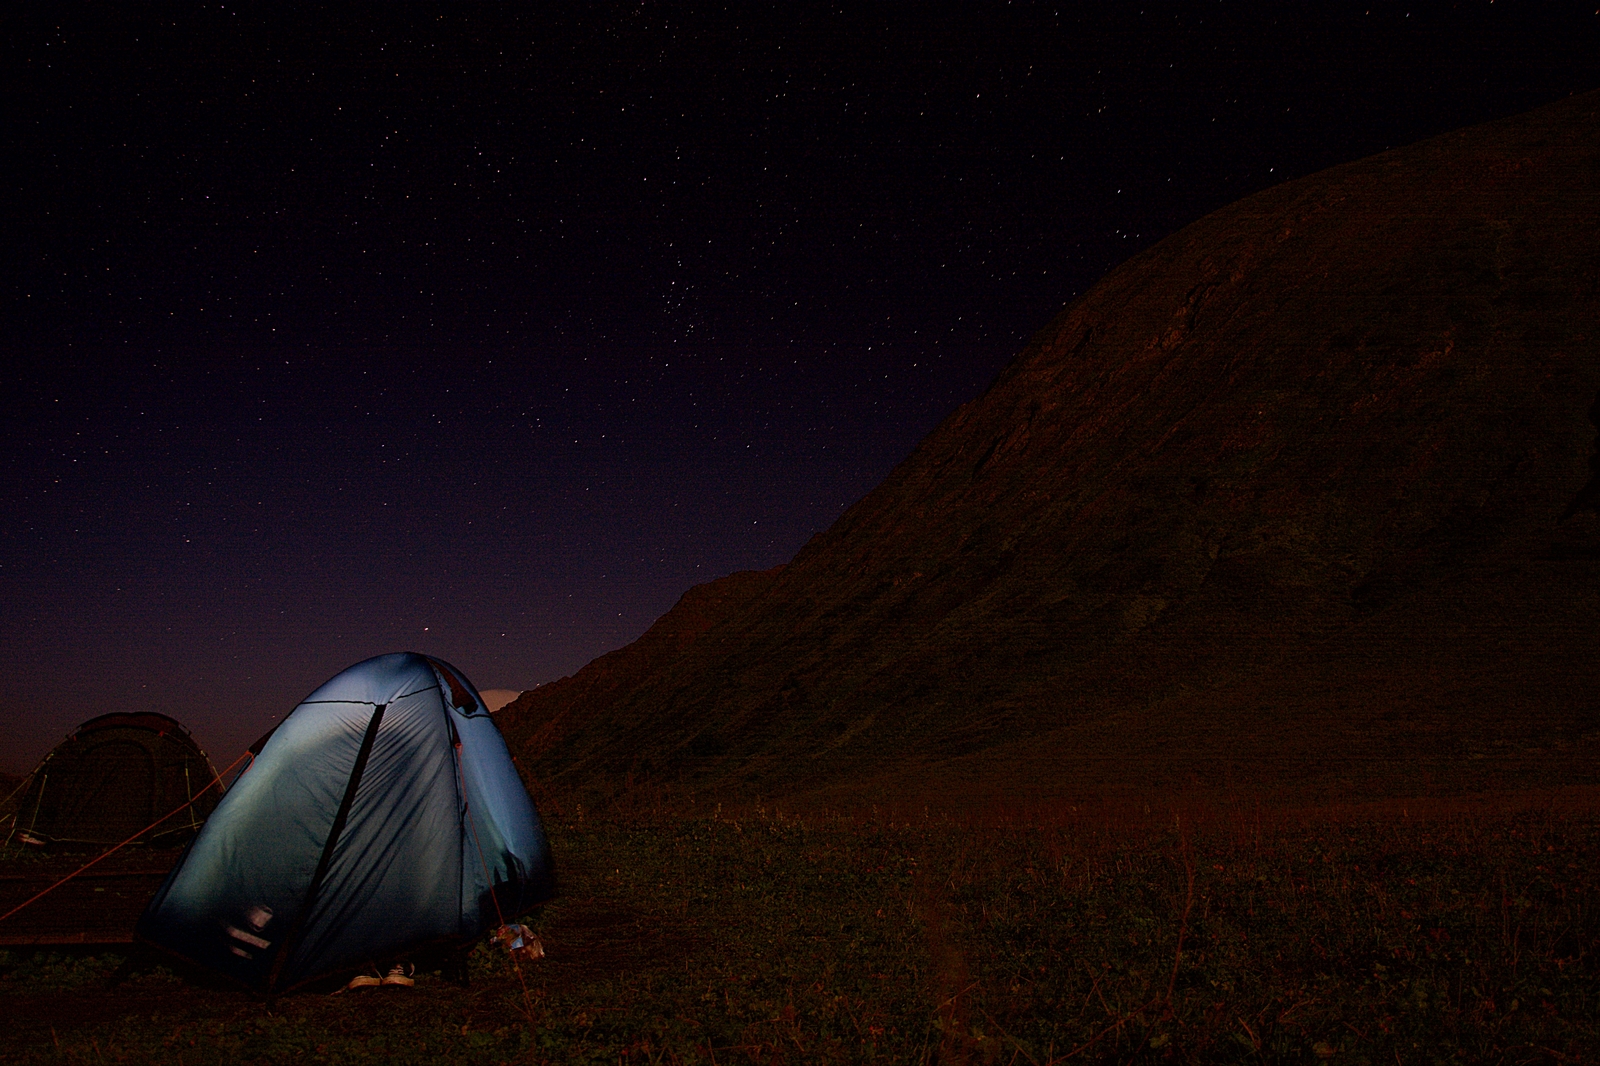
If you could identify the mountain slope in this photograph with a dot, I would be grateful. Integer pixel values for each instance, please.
(1215, 521)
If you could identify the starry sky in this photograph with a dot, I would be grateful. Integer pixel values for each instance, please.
(486, 333)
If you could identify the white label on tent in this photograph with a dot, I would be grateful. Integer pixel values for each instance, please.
(248, 938)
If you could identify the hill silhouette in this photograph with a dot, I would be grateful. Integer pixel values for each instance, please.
(1303, 497)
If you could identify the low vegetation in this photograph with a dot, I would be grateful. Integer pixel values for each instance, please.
(1181, 934)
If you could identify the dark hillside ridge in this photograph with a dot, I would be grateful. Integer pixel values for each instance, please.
(1303, 496)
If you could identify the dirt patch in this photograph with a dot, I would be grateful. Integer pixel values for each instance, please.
(949, 981)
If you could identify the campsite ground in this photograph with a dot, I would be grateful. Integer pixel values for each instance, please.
(1443, 930)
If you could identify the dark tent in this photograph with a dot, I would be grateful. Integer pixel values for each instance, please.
(383, 815)
(113, 776)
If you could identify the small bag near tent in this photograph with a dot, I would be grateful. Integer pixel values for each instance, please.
(112, 777)
(384, 815)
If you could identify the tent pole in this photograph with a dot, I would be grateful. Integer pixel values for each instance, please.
(16, 815)
(37, 803)
(188, 787)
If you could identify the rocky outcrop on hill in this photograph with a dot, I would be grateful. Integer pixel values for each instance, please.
(1305, 492)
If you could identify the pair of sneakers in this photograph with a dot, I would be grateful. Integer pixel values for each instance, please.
(402, 974)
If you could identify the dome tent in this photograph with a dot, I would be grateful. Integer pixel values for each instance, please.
(112, 777)
(383, 815)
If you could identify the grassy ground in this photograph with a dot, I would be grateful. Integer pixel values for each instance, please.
(1195, 936)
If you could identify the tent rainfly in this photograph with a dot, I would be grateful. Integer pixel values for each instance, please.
(113, 776)
(382, 816)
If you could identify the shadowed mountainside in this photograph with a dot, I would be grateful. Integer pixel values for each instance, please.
(1302, 497)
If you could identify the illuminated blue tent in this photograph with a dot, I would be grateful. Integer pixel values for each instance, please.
(383, 815)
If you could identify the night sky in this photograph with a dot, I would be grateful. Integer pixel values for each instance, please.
(487, 334)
